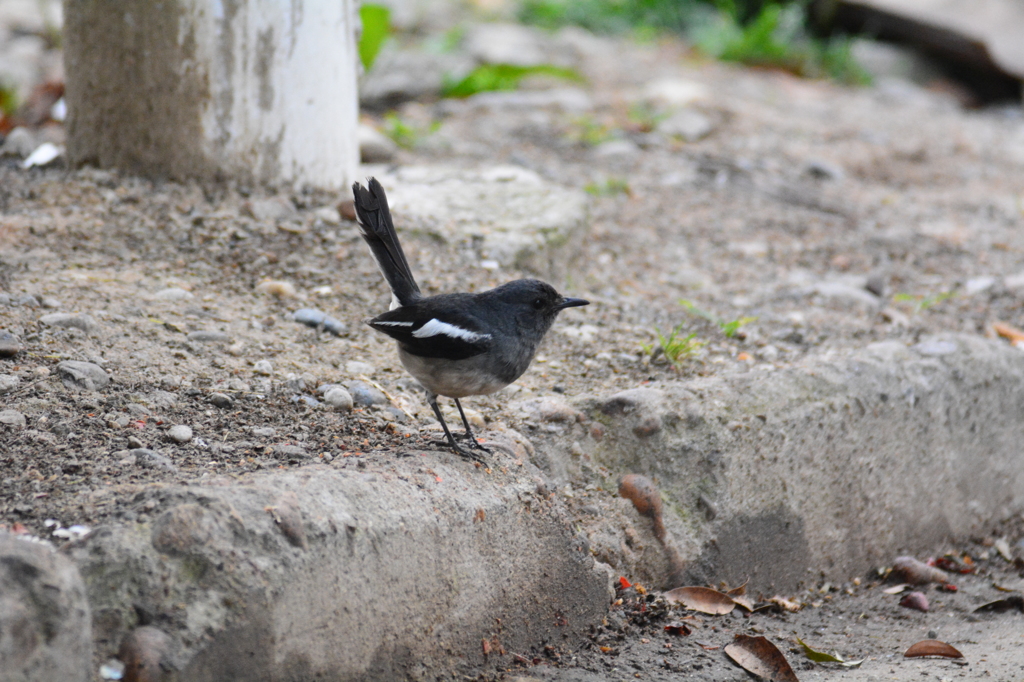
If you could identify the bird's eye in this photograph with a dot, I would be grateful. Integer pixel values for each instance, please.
(538, 303)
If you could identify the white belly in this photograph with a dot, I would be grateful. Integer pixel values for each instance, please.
(451, 378)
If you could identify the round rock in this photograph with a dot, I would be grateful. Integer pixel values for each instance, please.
(365, 395)
(339, 399)
(263, 367)
(9, 345)
(179, 433)
(8, 382)
(12, 418)
(44, 614)
(69, 321)
(82, 376)
(221, 400)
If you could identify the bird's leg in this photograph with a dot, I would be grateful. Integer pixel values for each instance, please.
(461, 451)
(469, 432)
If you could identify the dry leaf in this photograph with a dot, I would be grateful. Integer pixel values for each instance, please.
(738, 591)
(896, 589)
(680, 629)
(786, 604)
(932, 647)
(909, 570)
(1008, 332)
(706, 646)
(822, 657)
(762, 658)
(1014, 601)
(1003, 547)
(915, 600)
(745, 602)
(703, 599)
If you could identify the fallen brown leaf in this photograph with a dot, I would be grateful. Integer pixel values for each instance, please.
(680, 629)
(932, 647)
(786, 604)
(703, 599)
(1008, 332)
(1014, 601)
(909, 570)
(762, 658)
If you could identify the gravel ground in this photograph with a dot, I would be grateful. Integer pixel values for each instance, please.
(836, 217)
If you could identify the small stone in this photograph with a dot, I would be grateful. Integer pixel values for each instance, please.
(151, 459)
(375, 146)
(311, 317)
(9, 345)
(134, 442)
(83, 376)
(147, 653)
(935, 347)
(221, 400)
(290, 452)
(675, 92)
(12, 418)
(339, 399)
(264, 432)
(173, 294)
(687, 124)
(270, 209)
(356, 368)
(236, 384)
(49, 302)
(69, 320)
(209, 337)
(328, 215)
(170, 382)
(263, 367)
(8, 382)
(180, 433)
(278, 288)
(28, 300)
(294, 382)
(365, 395)
(977, 285)
(616, 148)
(824, 170)
(19, 142)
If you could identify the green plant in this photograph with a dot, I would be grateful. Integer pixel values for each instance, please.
(490, 77)
(8, 101)
(922, 302)
(729, 327)
(609, 187)
(376, 20)
(674, 347)
(407, 134)
(588, 131)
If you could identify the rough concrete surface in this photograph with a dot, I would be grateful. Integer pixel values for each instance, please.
(316, 573)
(45, 631)
(833, 466)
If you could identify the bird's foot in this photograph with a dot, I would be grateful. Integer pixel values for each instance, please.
(461, 451)
(477, 445)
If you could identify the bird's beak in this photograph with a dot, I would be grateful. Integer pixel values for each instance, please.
(572, 303)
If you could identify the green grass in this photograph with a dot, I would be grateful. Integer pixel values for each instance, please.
(768, 34)
(407, 134)
(376, 20)
(923, 302)
(608, 188)
(491, 77)
(675, 347)
(729, 327)
(588, 131)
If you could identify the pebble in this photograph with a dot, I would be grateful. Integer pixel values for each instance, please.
(8, 382)
(824, 170)
(180, 433)
(83, 376)
(264, 432)
(339, 399)
(221, 400)
(355, 368)
(311, 317)
(676, 92)
(328, 215)
(279, 288)
(28, 300)
(270, 209)
(135, 442)
(209, 337)
(147, 653)
(173, 294)
(12, 418)
(364, 395)
(616, 148)
(934, 347)
(263, 367)
(687, 124)
(49, 302)
(374, 146)
(19, 142)
(236, 384)
(977, 285)
(69, 320)
(170, 382)
(151, 459)
(295, 382)
(290, 452)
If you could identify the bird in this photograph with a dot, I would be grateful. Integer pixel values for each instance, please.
(461, 344)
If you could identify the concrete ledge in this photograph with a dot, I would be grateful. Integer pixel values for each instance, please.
(323, 573)
(834, 466)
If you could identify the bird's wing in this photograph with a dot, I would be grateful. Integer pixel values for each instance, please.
(446, 334)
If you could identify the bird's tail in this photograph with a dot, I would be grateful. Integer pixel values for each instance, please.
(379, 232)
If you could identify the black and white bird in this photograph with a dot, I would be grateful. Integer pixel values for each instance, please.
(455, 345)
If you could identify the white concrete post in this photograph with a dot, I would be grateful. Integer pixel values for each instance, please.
(258, 91)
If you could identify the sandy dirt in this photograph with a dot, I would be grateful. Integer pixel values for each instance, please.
(804, 198)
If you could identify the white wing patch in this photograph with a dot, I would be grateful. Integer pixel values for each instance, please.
(396, 324)
(435, 327)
